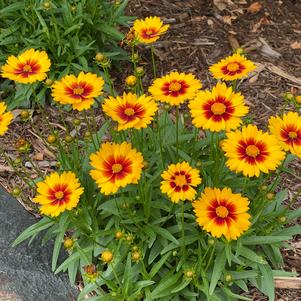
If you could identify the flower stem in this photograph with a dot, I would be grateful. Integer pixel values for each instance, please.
(177, 131)
(153, 62)
(89, 128)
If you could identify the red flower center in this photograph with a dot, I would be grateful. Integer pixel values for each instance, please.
(233, 68)
(128, 112)
(291, 134)
(59, 194)
(27, 68)
(79, 90)
(252, 151)
(180, 181)
(117, 168)
(1, 119)
(218, 108)
(149, 33)
(175, 88)
(222, 211)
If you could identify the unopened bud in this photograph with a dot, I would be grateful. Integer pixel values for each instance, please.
(211, 242)
(189, 273)
(228, 278)
(139, 71)
(288, 96)
(76, 122)
(270, 196)
(131, 80)
(135, 57)
(298, 99)
(198, 164)
(48, 82)
(51, 139)
(68, 138)
(17, 161)
(46, 5)
(99, 57)
(282, 219)
(136, 256)
(239, 50)
(264, 188)
(167, 107)
(106, 256)
(118, 234)
(68, 243)
(16, 191)
(24, 115)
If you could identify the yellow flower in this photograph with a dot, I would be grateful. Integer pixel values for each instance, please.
(175, 88)
(233, 67)
(116, 165)
(5, 118)
(221, 212)
(149, 30)
(130, 111)
(179, 181)
(219, 109)
(29, 67)
(250, 151)
(287, 131)
(78, 91)
(58, 193)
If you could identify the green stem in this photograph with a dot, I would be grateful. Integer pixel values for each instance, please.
(89, 128)
(160, 140)
(115, 275)
(153, 62)
(210, 258)
(183, 230)
(177, 131)
(108, 78)
(95, 126)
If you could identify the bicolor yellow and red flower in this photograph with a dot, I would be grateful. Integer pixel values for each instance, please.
(174, 88)
(29, 67)
(288, 131)
(5, 118)
(222, 212)
(115, 166)
(149, 30)
(179, 182)
(219, 109)
(130, 111)
(58, 192)
(78, 91)
(233, 67)
(252, 151)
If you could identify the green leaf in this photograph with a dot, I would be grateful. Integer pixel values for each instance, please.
(219, 265)
(164, 233)
(43, 224)
(127, 276)
(267, 281)
(232, 295)
(259, 240)
(155, 269)
(181, 286)
(251, 255)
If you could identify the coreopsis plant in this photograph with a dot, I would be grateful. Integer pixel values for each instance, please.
(154, 206)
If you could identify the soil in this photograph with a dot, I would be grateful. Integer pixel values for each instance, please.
(201, 33)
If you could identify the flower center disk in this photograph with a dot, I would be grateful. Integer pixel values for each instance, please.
(252, 151)
(222, 211)
(129, 112)
(116, 168)
(218, 108)
(78, 90)
(175, 87)
(292, 135)
(233, 66)
(180, 180)
(27, 68)
(149, 32)
(59, 195)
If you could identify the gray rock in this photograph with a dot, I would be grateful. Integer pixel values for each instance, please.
(25, 271)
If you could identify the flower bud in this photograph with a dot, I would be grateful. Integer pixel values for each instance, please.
(198, 164)
(145, 164)
(91, 272)
(99, 57)
(264, 188)
(87, 134)
(135, 58)
(270, 196)
(298, 99)
(48, 82)
(167, 107)
(17, 161)
(189, 273)
(73, 8)
(239, 50)
(106, 256)
(24, 115)
(174, 253)
(288, 96)
(118, 234)
(51, 139)
(136, 256)
(68, 138)
(129, 238)
(211, 242)
(131, 80)
(16, 191)
(76, 122)
(46, 5)
(282, 219)
(139, 71)
(135, 248)
(68, 243)
(228, 278)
